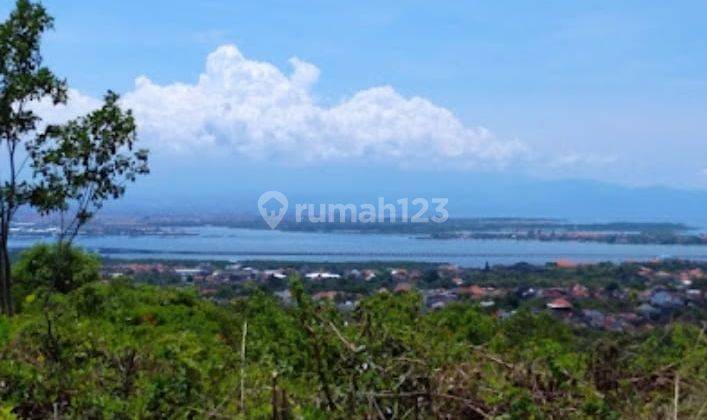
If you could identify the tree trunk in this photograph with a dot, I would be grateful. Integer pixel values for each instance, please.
(5, 280)
(7, 277)
(3, 303)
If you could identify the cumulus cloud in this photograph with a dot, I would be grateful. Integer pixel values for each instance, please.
(77, 104)
(253, 109)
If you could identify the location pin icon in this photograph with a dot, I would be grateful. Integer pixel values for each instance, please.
(267, 202)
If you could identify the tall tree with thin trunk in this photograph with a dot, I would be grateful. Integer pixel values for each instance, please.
(71, 167)
(23, 80)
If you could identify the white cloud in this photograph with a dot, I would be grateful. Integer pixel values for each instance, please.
(251, 108)
(77, 104)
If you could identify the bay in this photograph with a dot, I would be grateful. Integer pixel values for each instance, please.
(220, 243)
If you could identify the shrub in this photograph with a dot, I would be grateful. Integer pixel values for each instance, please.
(53, 267)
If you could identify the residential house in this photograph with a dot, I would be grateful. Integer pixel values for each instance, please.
(559, 304)
(402, 287)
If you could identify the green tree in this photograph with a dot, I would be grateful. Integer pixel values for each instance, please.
(37, 268)
(76, 166)
(23, 79)
(85, 162)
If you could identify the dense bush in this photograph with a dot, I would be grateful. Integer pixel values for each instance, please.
(53, 268)
(120, 350)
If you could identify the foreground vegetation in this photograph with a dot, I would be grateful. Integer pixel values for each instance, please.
(81, 347)
(123, 350)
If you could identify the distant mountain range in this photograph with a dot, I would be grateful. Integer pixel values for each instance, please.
(470, 194)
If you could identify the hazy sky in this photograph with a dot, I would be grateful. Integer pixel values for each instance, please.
(595, 90)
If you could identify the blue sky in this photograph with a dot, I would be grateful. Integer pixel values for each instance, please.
(603, 90)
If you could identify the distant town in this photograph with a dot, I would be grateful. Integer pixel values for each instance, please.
(615, 297)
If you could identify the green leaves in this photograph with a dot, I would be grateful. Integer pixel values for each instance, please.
(90, 158)
(85, 162)
(22, 77)
(138, 351)
(76, 166)
(57, 267)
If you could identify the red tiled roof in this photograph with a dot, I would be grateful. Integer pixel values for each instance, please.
(403, 287)
(566, 264)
